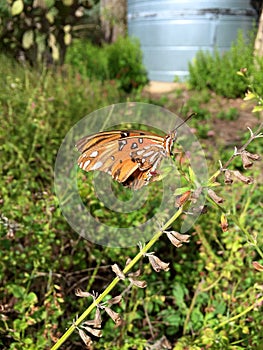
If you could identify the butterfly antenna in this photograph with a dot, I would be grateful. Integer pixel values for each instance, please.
(184, 121)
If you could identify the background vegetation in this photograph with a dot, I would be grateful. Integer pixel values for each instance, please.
(209, 298)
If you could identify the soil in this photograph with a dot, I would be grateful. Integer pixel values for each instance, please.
(223, 132)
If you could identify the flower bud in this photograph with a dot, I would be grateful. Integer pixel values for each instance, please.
(137, 283)
(247, 163)
(253, 156)
(228, 177)
(117, 270)
(80, 293)
(182, 199)
(177, 239)
(85, 338)
(114, 300)
(113, 315)
(241, 177)
(224, 223)
(95, 332)
(157, 264)
(214, 196)
(257, 266)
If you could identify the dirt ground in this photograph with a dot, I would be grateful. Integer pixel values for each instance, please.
(227, 132)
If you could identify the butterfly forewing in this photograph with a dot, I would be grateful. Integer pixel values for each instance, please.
(129, 156)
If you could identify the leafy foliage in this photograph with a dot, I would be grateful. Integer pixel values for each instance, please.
(89, 60)
(120, 61)
(217, 71)
(40, 31)
(125, 64)
(210, 298)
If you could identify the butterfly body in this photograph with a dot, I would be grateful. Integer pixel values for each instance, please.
(131, 157)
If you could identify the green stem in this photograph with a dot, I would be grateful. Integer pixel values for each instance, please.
(249, 237)
(116, 280)
(187, 318)
(251, 307)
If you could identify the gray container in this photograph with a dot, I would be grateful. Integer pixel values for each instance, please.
(171, 32)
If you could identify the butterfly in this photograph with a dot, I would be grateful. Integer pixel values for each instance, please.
(131, 157)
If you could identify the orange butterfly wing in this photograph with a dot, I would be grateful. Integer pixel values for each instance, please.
(130, 157)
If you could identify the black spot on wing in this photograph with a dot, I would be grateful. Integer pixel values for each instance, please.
(124, 134)
(122, 143)
(117, 174)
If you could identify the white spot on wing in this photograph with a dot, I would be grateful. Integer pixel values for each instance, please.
(85, 164)
(140, 152)
(94, 154)
(148, 153)
(97, 165)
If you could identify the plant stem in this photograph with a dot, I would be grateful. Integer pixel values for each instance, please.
(258, 302)
(116, 280)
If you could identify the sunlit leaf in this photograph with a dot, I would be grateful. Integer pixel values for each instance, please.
(17, 7)
(28, 39)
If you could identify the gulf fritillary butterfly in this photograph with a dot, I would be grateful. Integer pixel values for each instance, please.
(131, 157)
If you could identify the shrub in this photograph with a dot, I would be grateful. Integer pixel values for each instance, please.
(89, 60)
(121, 60)
(217, 71)
(40, 31)
(125, 64)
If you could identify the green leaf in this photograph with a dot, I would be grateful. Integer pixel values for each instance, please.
(49, 3)
(17, 7)
(16, 290)
(67, 2)
(192, 175)
(249, 96)
(28, 39)
(173, 319)
(257, 109)
(50, 17)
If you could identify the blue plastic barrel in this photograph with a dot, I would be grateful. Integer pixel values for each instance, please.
(172, 31)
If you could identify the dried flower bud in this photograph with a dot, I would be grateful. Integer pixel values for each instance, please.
(241, 177)
(196, 194)
(137, 283)
(157, 264)
(253, 156)
(228, 177)
(247, 163)
(162, 343)
(80, 293)
(177, 239)
(97, 319)
(89, 323)
(257, 266)
(95, 332)
(135, 274)
(85, 338)
(117, 270)
(224, 223)
(182, 199)
(128, 261)
(114, 300)
(214, 196)
(113, 315)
